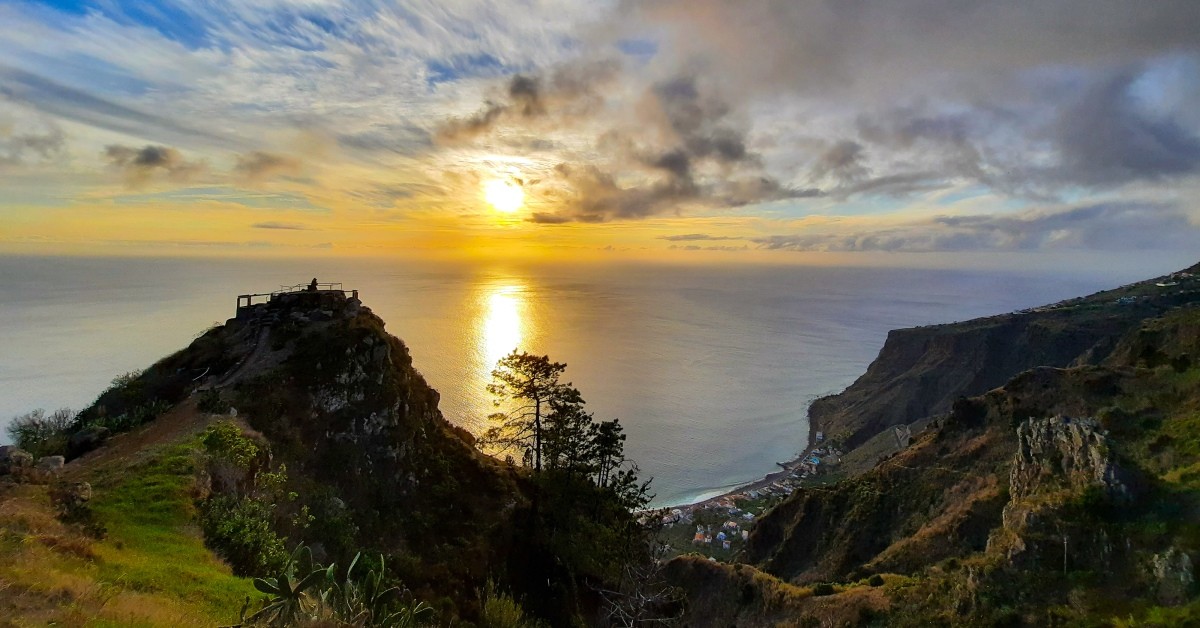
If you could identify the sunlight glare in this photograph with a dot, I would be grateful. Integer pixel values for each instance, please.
(504, 195)
(502, 325)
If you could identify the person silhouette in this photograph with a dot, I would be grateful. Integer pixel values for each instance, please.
(312, 287)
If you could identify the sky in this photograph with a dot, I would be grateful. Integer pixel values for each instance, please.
(726, 129)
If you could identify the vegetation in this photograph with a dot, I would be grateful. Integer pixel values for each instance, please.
(500, 610)
(529, 386)
(41, 434)
(548, 422)
(239, 518)
(581, 529)
(303, 592)
(150, 568)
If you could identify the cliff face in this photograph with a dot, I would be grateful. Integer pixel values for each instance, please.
(1069, 493)
(920, 372)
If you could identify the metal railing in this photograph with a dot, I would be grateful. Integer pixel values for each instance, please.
(246, 300)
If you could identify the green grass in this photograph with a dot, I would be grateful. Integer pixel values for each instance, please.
(152, 568)
(154, 545)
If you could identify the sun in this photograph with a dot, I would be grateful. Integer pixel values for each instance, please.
(504, 195)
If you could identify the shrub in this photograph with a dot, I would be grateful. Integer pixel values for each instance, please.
(875, 580)
(502, 611)
(240, 530)
(224, 440)
(823, 588)
(212, 403)
(41, 434)
(241, 527)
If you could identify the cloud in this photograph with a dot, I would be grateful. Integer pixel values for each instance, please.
(693, 237)
(885, 47)
(1104, 140)
(571, 91)
(622, 111)
(695, 247)
(1102, 226)
(842, 162)
(141, 165)
(285, 226)
(258, 166)
(673, 147)
(77, 105)
(30, 139)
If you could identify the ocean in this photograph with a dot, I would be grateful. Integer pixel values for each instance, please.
(709, 368)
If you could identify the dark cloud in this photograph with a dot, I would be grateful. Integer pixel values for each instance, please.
(570, 91)
(523, 94)
(696, 247)
(286, 226)
(257, 166)
(884, 47)
(1104, 140)
(700, 121)
(542, 218)
(693, 237)
(739, 192)
(140, 165)
(842, 162)
(1104, 226)
(386, 195)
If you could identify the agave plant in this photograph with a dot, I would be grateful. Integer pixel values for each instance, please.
(318, 596)
(370, 601)
(290, 600)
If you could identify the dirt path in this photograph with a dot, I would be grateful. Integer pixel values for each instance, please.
(254, 360)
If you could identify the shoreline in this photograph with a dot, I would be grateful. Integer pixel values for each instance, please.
(759, 484)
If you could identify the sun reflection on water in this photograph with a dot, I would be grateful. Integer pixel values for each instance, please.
(502, 324)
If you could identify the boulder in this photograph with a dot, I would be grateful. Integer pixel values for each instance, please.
(71, 499)
(85, 440)
(51, 464)
(13, 458)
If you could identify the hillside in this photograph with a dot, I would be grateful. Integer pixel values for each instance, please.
(1065, 496)
(299, 423)
(921, 371)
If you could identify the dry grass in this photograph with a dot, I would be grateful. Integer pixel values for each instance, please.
(151, 570)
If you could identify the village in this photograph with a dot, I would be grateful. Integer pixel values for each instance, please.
(719, 527)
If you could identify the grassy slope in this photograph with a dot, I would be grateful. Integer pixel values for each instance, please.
(152, 569)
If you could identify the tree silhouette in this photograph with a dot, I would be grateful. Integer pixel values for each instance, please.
(527, 387)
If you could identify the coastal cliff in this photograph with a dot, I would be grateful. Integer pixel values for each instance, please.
(1067, 494)
(921, 371)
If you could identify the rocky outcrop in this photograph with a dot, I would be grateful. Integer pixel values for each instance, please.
(1060, 463)
(1174, 576)
(338, 401)
(920, 372)
(1061, 453)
